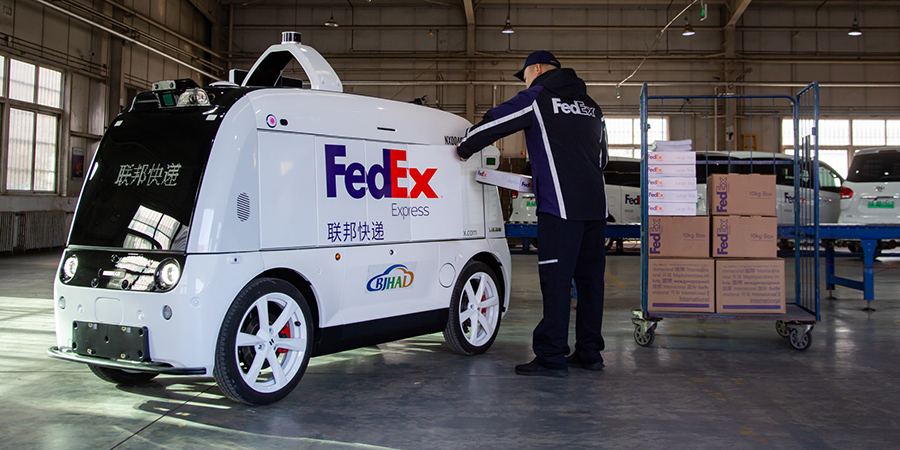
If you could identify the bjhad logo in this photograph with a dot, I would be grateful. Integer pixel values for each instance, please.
(722, 234)
(722, 193)
(395, 277)
(390, 173)
(655, 232)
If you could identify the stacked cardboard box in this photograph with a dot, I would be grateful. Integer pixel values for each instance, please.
(672, 179)
(681, 275)
(749, 276)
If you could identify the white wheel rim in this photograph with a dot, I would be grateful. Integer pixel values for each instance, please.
(267, 360)
(479, 309)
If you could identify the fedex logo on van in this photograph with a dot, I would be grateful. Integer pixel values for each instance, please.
(381, 180)
(636, 200)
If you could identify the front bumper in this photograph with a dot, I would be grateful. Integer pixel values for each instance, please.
(134, 366)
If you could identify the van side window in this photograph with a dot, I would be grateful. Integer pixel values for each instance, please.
(829, 180)
(631, 174)
(709, 165)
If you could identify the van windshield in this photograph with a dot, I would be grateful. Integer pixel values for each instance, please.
(141, 188)
(875, 167)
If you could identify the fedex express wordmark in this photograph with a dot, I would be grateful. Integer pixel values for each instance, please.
(357, 178)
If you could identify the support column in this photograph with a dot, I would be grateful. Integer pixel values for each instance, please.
(114, 81)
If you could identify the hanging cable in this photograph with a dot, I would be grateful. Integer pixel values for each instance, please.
(658, 36)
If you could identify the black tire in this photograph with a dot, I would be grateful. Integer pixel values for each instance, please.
(278, 357)
(782, 329)
(466, 332)
(122, 377)
(800, 340)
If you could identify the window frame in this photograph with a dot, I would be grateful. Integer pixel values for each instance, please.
(7, 104)
(852, 147)
(635, 146)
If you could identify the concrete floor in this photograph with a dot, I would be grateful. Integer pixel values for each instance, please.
(703, 384)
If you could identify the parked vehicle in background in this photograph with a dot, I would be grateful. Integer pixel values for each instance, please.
(830, 181)
(869, 196)
(623, 181)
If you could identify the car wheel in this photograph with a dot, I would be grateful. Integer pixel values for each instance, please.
(121, 376)
(264, 344)
(475, 310)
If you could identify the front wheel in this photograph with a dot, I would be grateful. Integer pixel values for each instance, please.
(122, 377)
(264, 343)
(474, 310)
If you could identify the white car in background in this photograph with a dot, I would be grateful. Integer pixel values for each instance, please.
(623, 186)
(869, 196)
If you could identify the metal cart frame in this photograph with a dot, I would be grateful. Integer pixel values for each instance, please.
(801, 316)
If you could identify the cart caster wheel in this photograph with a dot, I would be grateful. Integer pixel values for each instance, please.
(644, 339)
(800, 340)
(782, 329)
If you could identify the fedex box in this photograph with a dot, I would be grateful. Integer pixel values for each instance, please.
(666, 158)
(655, 208)
(741, 194)
(744, 237)
(521, 183)
(658, 183)
(672, 170)
(681, 285)
(750, 286)
(684, 237)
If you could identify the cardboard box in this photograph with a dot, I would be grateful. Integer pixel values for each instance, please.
(741, 194)
(750, 286)
(664, 157)
(744, 237)
(684, 237)
(672, 170)
(671, 183)
(681, 285)
(671, 209)
(672, 196)
(521, 183)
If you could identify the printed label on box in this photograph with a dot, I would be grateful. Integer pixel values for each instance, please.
(672, 170)
(671, 209)
(672, 158)
(684, 285)
(673, 196)
(750, 286)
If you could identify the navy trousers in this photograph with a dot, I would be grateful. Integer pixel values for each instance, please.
(567, 250)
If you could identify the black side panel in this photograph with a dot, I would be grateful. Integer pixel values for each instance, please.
(373, 332)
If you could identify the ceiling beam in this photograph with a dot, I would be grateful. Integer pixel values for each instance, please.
(470, 11)
(737, 10)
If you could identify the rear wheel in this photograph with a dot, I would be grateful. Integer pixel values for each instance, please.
(474, 310)
(264, 343)
(121, 376)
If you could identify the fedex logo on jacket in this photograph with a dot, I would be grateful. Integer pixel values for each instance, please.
(381, 180)
(577, 107)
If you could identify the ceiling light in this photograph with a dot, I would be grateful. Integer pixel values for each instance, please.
(331, 23)
(508, 29)
(854, 29)
(688, 31)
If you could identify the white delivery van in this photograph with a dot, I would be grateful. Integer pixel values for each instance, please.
(237, 230)
(779, 164)
(623, 192)
(872, 188)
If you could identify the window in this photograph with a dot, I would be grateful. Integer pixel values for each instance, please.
(34, 111)
(839, 139)
(624, 134)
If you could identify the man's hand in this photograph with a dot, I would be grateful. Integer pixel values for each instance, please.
(460, 157)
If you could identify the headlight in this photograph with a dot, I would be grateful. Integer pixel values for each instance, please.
(70, 265)
(167, 274)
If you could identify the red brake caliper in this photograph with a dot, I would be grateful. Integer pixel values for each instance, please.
(284, 333)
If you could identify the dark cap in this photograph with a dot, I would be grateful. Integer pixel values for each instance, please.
(538, 57)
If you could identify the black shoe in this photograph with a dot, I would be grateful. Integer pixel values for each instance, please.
(533, 369)
(574, 360)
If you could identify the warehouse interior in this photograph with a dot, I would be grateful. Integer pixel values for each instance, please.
(69, 67)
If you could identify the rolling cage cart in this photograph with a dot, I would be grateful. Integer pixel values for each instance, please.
(802, 312)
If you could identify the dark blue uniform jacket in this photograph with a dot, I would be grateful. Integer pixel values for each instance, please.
(566, 138)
